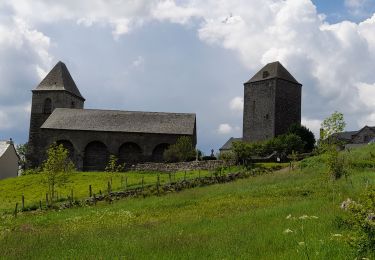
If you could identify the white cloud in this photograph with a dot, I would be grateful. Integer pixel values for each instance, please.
(355, 3)
(313, 125)
(225, 129)
(236, 104)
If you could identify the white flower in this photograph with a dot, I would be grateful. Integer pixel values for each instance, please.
(289, 216)
(286, 231)
(301, 243)
(337, 235)
(304, 217)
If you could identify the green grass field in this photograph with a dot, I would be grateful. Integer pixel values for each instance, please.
(283, 215)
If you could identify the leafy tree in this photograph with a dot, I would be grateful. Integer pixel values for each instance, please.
(114, 166)
(56, 168)
(336, 162)
(22, 150)
(182, 151)
(306, 135)
(333, 124)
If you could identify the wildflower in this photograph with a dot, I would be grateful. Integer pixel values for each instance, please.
(345, 204)
(289, 216)
(304, 217)
(337, 235)
(286, 231)
(301, 243)
(314, 217)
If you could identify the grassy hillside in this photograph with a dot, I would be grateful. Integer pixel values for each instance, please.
(284, 215)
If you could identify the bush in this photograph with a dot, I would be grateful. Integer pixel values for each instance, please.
(306, 136)
(182, 151)
(361, 221)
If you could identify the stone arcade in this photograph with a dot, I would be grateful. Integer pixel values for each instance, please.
(90, 135)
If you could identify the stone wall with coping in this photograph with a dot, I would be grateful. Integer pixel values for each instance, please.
(181, 166)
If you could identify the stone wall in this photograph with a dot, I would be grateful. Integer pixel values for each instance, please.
(182, 166)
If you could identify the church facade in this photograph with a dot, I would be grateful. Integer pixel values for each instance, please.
(91, 135)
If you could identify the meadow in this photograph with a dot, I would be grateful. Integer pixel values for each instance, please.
(282, 215)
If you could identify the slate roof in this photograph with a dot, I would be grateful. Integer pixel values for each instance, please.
(228, 144)
(121, 121)
(345, 136)
(59, 78)
(3, 147)
(273, 70)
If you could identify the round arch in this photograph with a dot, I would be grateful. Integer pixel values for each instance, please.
(130, 153)
(96, 156)
(68, 146)
(158, 152)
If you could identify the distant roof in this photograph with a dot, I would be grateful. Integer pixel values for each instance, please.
(345, 136)
(121, 121)
(3, 147)
(59, 78)
(273, 70)
(228, 144)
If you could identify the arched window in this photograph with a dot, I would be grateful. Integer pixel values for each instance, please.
(47, 107)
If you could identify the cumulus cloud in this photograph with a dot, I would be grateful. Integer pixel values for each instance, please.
(236, 104)
(225, 129)
(334, 62)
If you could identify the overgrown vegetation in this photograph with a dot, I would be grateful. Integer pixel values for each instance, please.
(283, 215)
(182, 151)
(360, 222)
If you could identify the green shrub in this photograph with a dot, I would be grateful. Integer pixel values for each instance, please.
(114, 166)
(361, 221)
(182, 151)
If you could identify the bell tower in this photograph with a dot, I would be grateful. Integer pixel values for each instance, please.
(56, 90)
(272, 102)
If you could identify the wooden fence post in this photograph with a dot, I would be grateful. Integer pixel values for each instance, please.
(47, 204)
(40, 204)
(71, 195)
(90, 190)
(109, 187)
(158, 184)
(185, 176)
(23, 202)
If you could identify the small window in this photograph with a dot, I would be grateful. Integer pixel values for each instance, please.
(265, 74)
(72, 105)
(47, 108)
(267, 116)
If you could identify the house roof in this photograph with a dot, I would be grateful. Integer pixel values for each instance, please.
(273, 70)
(121, 121)
(4, 145)
(345, 136)
(59, 78)
(228, 144)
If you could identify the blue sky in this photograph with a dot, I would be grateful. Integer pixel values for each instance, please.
(189, 56)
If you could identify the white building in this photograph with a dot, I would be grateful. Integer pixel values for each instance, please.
(8, 160)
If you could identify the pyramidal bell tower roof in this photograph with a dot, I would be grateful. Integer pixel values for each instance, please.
(273, 70)
(59, 78)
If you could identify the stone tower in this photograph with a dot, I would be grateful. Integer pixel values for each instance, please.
(272, 102)
(57, 90)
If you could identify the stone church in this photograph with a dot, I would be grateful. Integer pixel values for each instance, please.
(92, 135)
(272, 102)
